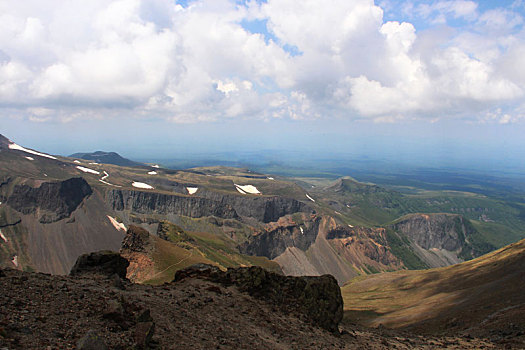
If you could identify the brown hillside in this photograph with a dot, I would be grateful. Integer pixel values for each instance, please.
(483, 297)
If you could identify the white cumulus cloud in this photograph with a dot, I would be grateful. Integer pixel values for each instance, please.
(315, 59)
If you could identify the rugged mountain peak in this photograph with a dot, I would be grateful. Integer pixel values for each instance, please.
(318, 298)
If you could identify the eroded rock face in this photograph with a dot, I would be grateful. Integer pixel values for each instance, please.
(158, 203)
(442, 231)
(273, 243)
(208, 203)
(318, 298)
(57, 200)
(264, 209)
(104, 262)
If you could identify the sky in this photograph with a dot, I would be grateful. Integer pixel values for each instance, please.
(154, 78)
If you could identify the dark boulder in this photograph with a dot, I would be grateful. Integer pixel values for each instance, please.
(104, 262)
(318, 298)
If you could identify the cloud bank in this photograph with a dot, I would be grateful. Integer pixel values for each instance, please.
(309, 59)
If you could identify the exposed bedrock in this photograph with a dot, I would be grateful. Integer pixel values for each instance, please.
(317, 298)
(55, 200)
(264, 209)
(159, 203)
(274, 242)
(443, 231)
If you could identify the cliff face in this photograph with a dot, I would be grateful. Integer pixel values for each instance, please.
(451, 238)
(434, 231)
(158, 203)
(54, 200)
(265, 209)
(275, 241)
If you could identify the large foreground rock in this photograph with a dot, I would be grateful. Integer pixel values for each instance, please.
(104, 262)
(318, 298)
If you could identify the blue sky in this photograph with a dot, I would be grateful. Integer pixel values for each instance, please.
(420, 79)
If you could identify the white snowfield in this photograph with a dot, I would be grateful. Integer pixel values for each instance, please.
(15, 260)
(240, 191)
(310, 198)
(247, 188)
(142, 185)
(192, 190)
(152, 173)
(87, 170)
(76, 161)
(93, 163)
(270, 178)
(29, 158)
(23, 149)
(3, 237)
(116, 224)
(155, 166)
(350, 226)
(301, 228)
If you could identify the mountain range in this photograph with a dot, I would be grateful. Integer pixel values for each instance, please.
(54, 209)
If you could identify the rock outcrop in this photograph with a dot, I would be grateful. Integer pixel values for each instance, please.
(137, 239)
(103, 262)
(55, 200)
(159, 203)
(445, 232)
(208, 203)
(273, 242)
(318, 298)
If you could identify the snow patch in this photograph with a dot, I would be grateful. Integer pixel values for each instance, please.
(2, 236)
(116, 224)
(45, 175)
(23, 149)
(248, 188)
(141, 185)
(106, 175)
(310, 198)
(155, 166)
(152, 173)
(338, 213)
(241, 191)
(87, 170)
(301, 228)
(93, 163)
(192, 190)
(351, 226)
(270, 178)
(76, 161)
(29, 158)
(15, 260)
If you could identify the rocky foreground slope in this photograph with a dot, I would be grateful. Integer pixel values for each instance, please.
(204, 308)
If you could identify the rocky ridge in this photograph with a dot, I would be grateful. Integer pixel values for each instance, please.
(98, 309)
